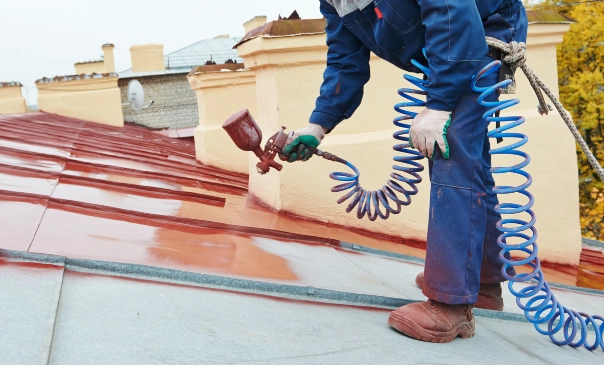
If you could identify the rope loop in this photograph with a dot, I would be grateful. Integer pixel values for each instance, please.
(517, 54)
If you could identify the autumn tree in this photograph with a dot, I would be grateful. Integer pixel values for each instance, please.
(581, 79)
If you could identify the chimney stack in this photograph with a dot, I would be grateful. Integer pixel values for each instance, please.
(108, 58)
(255, 22)
(147, 58)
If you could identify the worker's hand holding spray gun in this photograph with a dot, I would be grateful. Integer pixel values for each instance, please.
(428, 129)
(299, 142)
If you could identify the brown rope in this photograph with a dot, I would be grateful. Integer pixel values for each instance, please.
(516, 57)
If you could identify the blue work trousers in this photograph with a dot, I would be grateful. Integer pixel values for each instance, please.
(462, 249)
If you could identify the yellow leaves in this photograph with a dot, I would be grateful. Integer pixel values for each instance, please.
(592, 215)
(581, 78)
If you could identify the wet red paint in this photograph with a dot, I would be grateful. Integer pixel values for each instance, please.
(114, 238)
(20, 217)
(32, 266)
(130, 195)
(591, 269)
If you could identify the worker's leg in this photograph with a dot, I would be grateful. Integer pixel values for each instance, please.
(511, 26)
(462, 216)
(458, 208)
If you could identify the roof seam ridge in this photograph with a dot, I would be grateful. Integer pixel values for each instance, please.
(301, 292)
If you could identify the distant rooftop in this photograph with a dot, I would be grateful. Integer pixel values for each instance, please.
(66, 78)
(547, 16)
(218, 50)
(88, 62)
(10, 84)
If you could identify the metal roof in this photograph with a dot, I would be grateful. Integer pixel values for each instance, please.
(547, 16)
(155, 258)
(182, 61)
(286, 27)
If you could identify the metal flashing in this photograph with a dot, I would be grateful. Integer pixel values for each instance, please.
(536, 16)
(284, 28)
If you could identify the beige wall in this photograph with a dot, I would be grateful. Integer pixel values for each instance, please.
(288, 75)
(219, 94)
(11, 100)
(147, 58)
(90, 99)
(97, 67)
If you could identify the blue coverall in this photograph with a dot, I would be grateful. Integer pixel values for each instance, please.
(462, 251)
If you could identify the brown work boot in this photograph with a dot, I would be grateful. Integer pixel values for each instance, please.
(433, 321)
(489, 295)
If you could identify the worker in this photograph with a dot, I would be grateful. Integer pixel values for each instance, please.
(462, 256)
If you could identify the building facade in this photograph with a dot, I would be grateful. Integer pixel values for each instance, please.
(164, 81)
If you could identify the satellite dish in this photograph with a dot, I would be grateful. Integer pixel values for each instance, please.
(136, 95)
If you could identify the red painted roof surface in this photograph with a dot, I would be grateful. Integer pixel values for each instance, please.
(84, 190)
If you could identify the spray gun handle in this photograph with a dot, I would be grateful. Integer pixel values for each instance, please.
(273, 146)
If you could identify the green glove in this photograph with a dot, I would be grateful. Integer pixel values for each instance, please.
(296, 148)
(429, 129)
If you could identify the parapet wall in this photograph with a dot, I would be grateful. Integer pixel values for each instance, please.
(94, 98)
(221, 90)
(288, 70)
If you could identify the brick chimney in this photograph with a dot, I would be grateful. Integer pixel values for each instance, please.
(147, 58)
(108, 58)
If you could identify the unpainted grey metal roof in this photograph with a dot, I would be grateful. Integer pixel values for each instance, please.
(216, 49)
(64, 311)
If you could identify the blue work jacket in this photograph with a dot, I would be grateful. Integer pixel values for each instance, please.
(451, 31)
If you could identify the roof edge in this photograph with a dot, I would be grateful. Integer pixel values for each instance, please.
(67, 78)
(286, 27)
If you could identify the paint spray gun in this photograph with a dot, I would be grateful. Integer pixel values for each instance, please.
(246, 134)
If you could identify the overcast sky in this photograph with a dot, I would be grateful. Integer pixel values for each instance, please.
(44, 38)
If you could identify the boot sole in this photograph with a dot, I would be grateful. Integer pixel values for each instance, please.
(408, 327)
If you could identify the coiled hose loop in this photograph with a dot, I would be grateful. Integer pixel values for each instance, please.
(405, 174)
(564, 326)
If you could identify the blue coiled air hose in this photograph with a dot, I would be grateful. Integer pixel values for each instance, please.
(538, 296)
(407, 175)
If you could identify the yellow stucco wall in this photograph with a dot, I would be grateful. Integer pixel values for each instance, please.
(11, 100)
(147, 58)
(288, 75)
(90, 99)
(108, 58)
(219, 94)
(90, 67)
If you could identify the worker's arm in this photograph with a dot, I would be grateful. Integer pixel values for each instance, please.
(455, 46)
(346, 73)
(345, 76)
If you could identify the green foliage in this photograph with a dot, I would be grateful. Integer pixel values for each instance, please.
(581, 78)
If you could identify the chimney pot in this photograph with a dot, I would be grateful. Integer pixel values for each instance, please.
(108, 58)
(147, 58)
